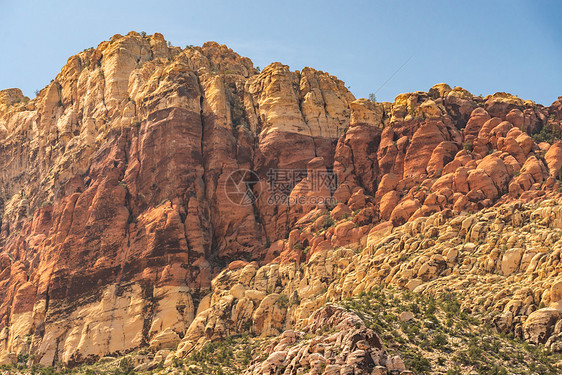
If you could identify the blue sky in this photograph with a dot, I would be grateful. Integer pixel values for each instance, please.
(483, 46)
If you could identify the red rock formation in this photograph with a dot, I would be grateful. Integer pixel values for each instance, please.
(116, 188)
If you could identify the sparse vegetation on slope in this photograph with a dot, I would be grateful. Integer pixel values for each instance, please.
(433, 335)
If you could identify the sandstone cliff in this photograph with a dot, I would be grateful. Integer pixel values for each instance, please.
(118, 230)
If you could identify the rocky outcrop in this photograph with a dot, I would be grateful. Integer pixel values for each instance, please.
(503, 263)
(342, 344)
(113, 188)
(152, 195)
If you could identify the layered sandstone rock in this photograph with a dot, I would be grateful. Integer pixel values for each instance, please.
(118, 218)
(503, 263)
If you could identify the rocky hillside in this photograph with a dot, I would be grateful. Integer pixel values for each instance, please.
(157, 202)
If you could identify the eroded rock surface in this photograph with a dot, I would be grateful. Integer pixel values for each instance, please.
(119, 229)
(342, 344)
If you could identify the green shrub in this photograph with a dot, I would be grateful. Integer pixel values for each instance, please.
(439, 340)
(295, 300)
(328, 222)
(549, 133)
(22, 358)
(126, 365)
(283, 300)
(418, 363)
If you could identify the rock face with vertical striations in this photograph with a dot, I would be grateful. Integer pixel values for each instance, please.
(120, 228)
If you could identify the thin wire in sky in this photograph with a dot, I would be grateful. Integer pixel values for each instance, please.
(393, 74)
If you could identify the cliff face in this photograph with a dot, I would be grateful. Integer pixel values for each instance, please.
(113, 187)
(120, 192)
